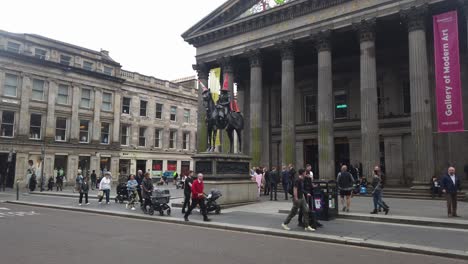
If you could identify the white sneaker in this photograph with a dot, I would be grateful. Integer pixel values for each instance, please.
(310, 229)
(100, 202)
(126, 206)
(107, 203)
(133, 209)
(79, 204)
(87, 203)
(285, 227)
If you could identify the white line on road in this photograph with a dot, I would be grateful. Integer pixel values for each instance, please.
(4, 208)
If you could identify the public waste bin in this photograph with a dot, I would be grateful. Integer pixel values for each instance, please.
(325, 200)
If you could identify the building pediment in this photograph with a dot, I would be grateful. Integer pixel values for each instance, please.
(240, 16)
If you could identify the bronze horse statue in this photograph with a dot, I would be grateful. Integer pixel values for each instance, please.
(217, 119)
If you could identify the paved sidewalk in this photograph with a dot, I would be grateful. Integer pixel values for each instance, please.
(265, 216)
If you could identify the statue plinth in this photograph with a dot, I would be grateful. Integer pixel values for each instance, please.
(229, 173)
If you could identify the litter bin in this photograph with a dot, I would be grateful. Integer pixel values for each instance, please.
(325, 200)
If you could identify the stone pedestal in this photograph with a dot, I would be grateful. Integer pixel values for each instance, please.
(228, 173)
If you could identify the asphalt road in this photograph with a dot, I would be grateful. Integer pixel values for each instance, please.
(39, 235)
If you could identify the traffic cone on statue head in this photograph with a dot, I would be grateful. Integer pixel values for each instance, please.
(226, 83)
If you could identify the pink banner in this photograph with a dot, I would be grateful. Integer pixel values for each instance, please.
(447, 63)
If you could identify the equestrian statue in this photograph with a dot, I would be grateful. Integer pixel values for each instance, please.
(223, 115)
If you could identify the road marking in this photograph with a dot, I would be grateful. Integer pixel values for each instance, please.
(4, 208)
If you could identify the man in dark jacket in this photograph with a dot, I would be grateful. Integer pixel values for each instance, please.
(345, 182)
(450, 186)
(266, 175)
(274, 180)
(285, 181)
(187, 191)
(139, 179)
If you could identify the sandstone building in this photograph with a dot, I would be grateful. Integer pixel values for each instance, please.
(84, 111)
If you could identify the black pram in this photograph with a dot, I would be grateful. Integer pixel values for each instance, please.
(160, 202)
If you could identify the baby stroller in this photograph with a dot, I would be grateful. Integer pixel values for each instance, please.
(122, 193)
(211, 204)
(159, 202)
(180, 184)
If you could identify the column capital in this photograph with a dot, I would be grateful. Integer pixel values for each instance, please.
(366, 29)
(287, 50)
(415, 17)
(203, 70)
(323, 40)
(226, 64)
(255, 58)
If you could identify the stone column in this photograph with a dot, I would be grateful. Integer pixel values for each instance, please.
(421, 117)
(75, 120)
(116, 126)
(256, 111)
(227, 69)
(299, 154)
(2, 81)
(114, 167)
(49, 135)
(96, 129)
(326, 144)
(72, 168)
(241, 103)
(370, 142)
(202, 134)
(288, 126)
(24, 115)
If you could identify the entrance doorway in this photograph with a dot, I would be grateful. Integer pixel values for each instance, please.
(341, 153)
(7, 170)
(141, 165)
(60, 164)
(83, 165)
(311, 155)
(124, 169)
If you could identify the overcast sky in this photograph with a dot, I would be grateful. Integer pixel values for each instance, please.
(142, 35)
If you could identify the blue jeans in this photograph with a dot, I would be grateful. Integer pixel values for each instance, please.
(107, 194)
(378, 202)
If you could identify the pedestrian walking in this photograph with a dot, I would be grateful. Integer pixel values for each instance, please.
(258, 175)
(132, 185)
(377, 193)
(84, 189)
(309, 188)
(285, 181)
(79, 178)
(50, 184)
(146, 191)
(30, 172)
(345, 182)
(187, 191)
(451, 185)
(175, 176)
(139, 179)
(32, 183)
(93, 180)
(105, 187)
(59, 181)
(274, 180)
(266, 181)
(299, 201)
(198, 198)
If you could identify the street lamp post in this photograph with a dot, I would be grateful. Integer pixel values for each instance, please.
(42, 167)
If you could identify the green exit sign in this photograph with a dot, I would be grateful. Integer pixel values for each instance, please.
(341, 106)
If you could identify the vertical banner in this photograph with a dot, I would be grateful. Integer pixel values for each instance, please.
(447, 66)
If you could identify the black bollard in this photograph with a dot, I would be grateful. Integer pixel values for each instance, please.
(17, 190)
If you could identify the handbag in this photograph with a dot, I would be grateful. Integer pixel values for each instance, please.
(100, 194)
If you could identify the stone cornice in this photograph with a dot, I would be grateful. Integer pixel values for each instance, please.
(366, 30)
(273, 16)
(415, 17)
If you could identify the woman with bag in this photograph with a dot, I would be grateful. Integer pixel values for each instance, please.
(105, 187)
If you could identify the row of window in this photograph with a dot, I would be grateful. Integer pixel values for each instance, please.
(63, 94)
(64, 59)
(61, 127)
(126, 106)
(158, 137)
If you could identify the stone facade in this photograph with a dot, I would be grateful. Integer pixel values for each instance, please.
(86, 112)
(338, 81)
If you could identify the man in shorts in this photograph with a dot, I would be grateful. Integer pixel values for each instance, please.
(345, 183)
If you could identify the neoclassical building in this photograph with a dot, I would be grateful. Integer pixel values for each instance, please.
(79, 109)
(325, 82)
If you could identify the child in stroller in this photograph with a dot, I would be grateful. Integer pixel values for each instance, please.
(132, 192)
(122, 193)
(159, 202)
